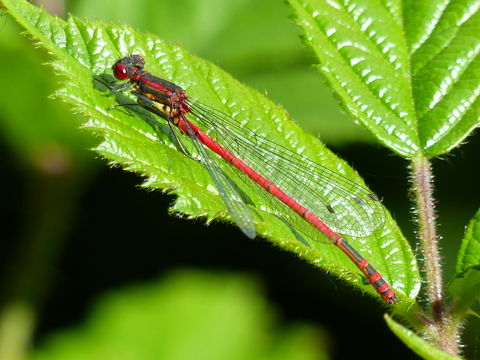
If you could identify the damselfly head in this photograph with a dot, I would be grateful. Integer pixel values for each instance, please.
(127, 67)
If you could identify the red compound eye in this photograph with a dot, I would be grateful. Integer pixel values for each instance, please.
(120, 71)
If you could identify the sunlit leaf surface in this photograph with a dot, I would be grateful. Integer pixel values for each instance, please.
(84, 49)
(409, 71)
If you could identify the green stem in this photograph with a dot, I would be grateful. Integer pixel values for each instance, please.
(440, 329)
(17, 321)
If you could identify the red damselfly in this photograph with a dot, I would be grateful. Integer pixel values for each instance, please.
(308, 196)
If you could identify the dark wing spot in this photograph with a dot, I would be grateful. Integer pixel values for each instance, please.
(330, 209)
(360, 201)
(373, 197)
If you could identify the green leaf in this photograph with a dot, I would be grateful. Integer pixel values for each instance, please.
(40, 133)
(420, 346)
(409, 72)
(83, 49)
(189, 315)
(469, 253)
(466, 288)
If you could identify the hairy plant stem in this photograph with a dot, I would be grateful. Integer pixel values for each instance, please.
(441, 330)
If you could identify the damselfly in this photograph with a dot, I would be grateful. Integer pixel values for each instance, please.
(309, 197)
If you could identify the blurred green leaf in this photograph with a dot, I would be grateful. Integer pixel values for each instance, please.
(410, 73)
(312, 102)
(83, 48)
(469, 253)
(466, 288)
(38, 130)
(420, 346)
(44, 144)
(223, 30)
(189, 315)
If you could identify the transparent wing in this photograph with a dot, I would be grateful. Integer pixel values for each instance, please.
(230, 195)
(343, 205)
